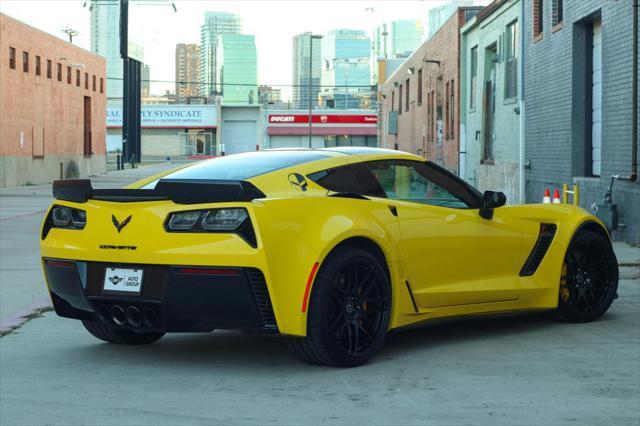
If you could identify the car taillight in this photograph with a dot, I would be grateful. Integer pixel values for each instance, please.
(68, 217)
(233, 220)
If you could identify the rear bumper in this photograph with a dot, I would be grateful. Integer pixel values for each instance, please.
(173, 298)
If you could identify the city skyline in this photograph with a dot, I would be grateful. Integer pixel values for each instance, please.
(163, 27)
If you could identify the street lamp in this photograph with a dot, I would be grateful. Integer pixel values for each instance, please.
(311, 38)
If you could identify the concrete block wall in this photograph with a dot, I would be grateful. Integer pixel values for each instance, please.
(555, 124)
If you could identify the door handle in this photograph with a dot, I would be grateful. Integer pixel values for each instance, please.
(393, 210)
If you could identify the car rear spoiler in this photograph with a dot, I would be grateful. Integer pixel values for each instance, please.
(180, 191)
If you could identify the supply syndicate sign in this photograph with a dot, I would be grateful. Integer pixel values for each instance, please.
(169, 116)
(323, 119)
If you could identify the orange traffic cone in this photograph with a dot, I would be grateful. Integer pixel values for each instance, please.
(556, 197)
(546, 199)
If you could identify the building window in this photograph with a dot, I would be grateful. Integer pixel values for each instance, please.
(429, 118)
(101, 85)
(59, 69)
(406, 101)
(38, 68)
(77, 78)
(452, 110)
(446, 111)
(93, 83)
(474, 77)
(511, 63)
(12, 58)
(400, 100)
(538, 19)
(48, 68)
(420, 87)
(68, 75)
(393, 100)
(86, 80)
(557, 12)
(25, 61)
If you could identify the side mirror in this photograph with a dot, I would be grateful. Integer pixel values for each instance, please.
(490, 201)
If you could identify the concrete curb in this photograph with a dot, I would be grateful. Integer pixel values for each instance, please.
(9, 325)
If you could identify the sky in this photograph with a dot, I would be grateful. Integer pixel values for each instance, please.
(274, 23)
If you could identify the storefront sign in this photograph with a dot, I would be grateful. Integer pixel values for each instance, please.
(322, 119)
(169, 116)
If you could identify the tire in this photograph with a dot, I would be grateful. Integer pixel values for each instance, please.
(589, 281)
(349, 310)
(121, 337)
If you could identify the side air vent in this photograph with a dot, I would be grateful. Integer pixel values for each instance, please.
(263, 301)
(547, 232)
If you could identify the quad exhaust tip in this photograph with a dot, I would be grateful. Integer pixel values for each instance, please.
(128, 315)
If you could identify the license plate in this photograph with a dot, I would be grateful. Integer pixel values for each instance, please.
(123, 280)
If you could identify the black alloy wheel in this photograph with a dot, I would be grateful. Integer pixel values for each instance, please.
(349, 310)
(589, 281)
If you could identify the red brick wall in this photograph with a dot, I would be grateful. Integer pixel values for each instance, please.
(48, 113)
(417, 128)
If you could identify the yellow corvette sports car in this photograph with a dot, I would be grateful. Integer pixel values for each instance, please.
(332, 248)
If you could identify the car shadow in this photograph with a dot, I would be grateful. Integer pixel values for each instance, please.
(228, 349)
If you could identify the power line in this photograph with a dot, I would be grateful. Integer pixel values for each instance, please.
(241, 84)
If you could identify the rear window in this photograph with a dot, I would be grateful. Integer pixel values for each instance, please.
(243, 166)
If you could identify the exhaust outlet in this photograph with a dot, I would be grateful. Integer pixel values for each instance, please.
(118, 316)
(134, 316)
(150, 317)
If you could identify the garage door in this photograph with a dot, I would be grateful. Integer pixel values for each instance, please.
(596, 101)
(285, 141)
(239, 136)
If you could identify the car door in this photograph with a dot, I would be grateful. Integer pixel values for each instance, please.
(452, 256)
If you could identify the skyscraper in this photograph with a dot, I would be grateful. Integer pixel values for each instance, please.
(105, 41)
(237, 69)
(301, 50)
(187, 71)
(439, 15)
(215, 24)
(397, 39)
(145, 77)
(345, 65)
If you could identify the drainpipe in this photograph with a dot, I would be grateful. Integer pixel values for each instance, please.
(521, 159)
(634, 101)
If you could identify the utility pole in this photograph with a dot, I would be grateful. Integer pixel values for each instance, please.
(71, 33)
(311, 38)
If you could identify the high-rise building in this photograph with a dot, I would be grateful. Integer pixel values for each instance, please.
(269, 95)
(105, 41)
(215, 24)
(346, 74)
(187, 71)
(301, 55)
(397, 39)
(145, 83)
(237, 69)
(439, 15)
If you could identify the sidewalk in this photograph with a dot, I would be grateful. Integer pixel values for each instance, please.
(22, 288)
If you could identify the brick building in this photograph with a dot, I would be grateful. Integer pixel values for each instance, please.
(187, 71)
(420, 100)
(52, 107)
(578, 120)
